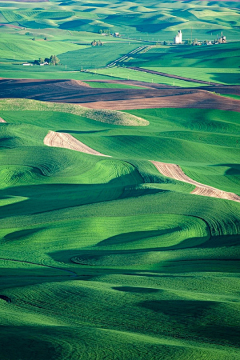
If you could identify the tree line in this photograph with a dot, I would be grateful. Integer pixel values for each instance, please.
(53, 60)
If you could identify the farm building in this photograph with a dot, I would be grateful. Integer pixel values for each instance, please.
(222, 40)
(178, 38)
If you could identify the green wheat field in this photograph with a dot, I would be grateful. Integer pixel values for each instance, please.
(105, 257)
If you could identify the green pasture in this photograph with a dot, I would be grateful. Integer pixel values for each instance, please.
(96, 56)
(130, 74)
(104, 257)
(107, 256)
(150, 22)
(49, 72)
(206, 137)
(211, 56)
(70, 26)
(224, 76)
(19, 48)
(105, 85)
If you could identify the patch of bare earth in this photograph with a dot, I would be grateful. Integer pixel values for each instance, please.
(175, 172)
(67, 141)
(76, 92)
(1, 120)
(197, 99)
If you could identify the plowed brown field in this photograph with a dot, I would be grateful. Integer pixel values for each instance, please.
(73, 91)
(175, 172)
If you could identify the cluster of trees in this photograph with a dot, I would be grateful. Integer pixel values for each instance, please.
(53, 60)
(104, 31)
(96, 43)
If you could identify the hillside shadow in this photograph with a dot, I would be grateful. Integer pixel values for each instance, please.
(197, 317)
(136, 289)
(22, 234)
(135, 236)
(234, 169)
(50, 197)
(226, 77)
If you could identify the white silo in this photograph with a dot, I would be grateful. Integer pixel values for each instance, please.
(178, 38)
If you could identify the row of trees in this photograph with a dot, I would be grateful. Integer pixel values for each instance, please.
(53, 60)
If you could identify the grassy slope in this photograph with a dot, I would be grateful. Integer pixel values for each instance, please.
(97, 56)
(154, 269)
(66, 25)
(25, 49)
(209, 135)
(129, 74)
(149, 272)
(218, 63)
(103, 85)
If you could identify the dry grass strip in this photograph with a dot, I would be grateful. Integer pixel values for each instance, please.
(175, 172)
(67, 141)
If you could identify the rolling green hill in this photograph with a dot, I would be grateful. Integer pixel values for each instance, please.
(103, 257)
(68, 27)
(106, 256)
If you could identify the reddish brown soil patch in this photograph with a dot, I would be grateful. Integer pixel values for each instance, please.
(76, 92)
(175, 172)
(199, 99)
(67, 141)
(1, 120)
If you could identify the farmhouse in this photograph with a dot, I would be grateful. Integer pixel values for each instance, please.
(178, 38)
